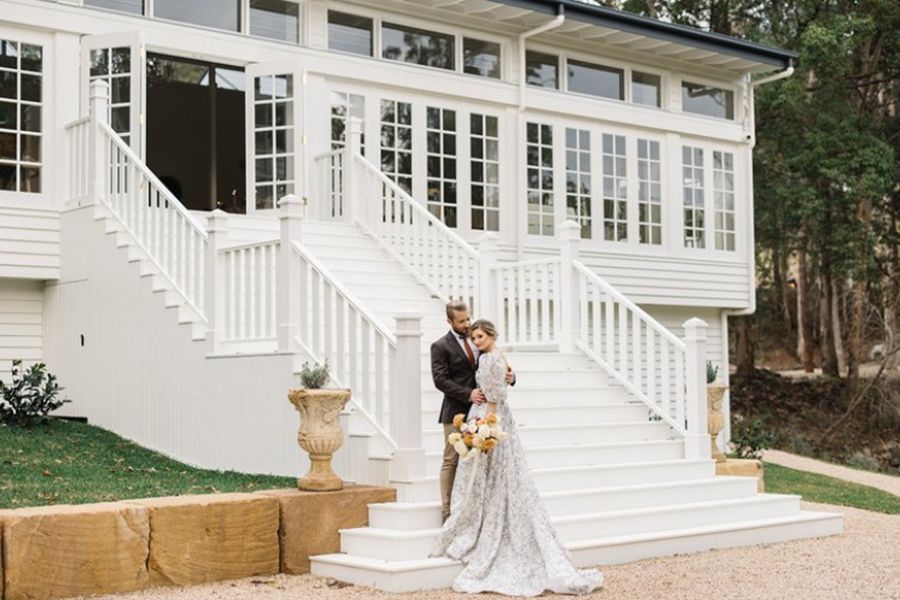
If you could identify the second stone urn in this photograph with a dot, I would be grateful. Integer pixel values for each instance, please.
(320, 434)
(715, 392)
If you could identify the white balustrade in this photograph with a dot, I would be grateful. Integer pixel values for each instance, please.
(527, 306)
(249, 291)
(78, 135)
(327, 203)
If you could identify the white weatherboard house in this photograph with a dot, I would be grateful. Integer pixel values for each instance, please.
(198, 197)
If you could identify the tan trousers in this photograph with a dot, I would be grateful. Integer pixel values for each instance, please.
(448, 471)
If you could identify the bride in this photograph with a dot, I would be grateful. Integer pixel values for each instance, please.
(498, 526)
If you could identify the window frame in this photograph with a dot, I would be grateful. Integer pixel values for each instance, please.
(46, 139)
(728, 87)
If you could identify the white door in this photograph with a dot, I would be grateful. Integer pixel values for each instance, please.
(120, 60)
(274, 137)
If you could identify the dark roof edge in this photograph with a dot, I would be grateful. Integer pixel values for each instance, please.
(670, 32)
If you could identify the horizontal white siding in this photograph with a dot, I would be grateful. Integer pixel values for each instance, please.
(21, 323)
(29, 243)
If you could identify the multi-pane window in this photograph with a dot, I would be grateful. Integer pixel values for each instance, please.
(21, 67)
(539, 162)
(220, 14)
(542, 69)
(417, 46)
(578, 178)
(646, 89)
(440, 138)
(130, 6)
(345, 106)
(484, 140)
(692, 189)
(615, 189)
(273, 138)
(113, 65)
(349, 33)
(596, 80)
(396, 142)
(723, 201)
(276, 19)
(481, 58)
(649, 192)
(707, 100)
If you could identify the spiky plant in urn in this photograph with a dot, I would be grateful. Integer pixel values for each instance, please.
(320, 433)
(715, 393)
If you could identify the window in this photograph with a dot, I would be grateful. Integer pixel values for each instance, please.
(706, 100)
(542, 69)
(615, 189)
(485, 161)
(221, 14)
(723, 200)
(417, 46)
(649, 193)
(481, 58)
(396, 142)
(21, 83)
(646, 89)
(578, 178)
(692, 170)
(596, 80)
(540, 178)
(349, 33)
(273, 138)
(440, 136)
(113, 65)
(343, 107)
(276, 19)
(129, 6)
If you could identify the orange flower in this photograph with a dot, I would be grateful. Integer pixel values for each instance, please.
(489, 444)
(480, 422)
(468, 439)
(458, 420)
(491, 418)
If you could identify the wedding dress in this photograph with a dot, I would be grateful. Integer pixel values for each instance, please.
(498, 526)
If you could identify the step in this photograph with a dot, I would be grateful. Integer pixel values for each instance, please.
(435, 573)
(349, 251)
(355, 278)
(550, 381)
(550, 415)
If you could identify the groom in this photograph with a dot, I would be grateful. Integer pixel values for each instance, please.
(454, 359)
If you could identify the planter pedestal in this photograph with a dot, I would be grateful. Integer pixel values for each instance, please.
(715, 392)
(320, 435)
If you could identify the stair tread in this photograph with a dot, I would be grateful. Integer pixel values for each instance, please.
(552, 427)
(570, 446)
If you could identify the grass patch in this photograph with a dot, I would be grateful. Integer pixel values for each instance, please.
(68, 462)
(828, 490)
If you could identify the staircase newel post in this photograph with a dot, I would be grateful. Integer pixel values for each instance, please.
(569, 238)
(99, 113)
(697, 437)
(287, 289)
(350, 189)
(217, 232)
(488, 250)
(408, 463)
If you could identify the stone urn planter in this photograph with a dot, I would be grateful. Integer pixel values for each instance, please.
(715, 392)
(320, 434)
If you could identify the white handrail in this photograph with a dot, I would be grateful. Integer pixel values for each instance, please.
(329, 202)
(79, 139)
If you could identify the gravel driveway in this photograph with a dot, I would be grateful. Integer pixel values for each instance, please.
(862, 563)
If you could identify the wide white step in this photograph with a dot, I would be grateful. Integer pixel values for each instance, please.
(599, 413)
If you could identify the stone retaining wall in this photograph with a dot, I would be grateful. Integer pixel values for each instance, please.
(111, 547)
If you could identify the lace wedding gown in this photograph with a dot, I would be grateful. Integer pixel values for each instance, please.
(498, 526)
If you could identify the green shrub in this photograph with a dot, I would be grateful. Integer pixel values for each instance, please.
(749, 438)
(711, 372)
(314, 377)
(30, 396)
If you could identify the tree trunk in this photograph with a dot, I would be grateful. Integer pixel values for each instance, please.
(804, 321)
(836, 327)
(826, 337)
(745, 351)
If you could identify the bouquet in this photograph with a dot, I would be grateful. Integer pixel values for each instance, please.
(477, 436)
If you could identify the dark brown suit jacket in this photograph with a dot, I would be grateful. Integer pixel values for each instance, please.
(454, 375)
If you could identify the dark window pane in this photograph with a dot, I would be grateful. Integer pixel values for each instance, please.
(121, 60)
(31, 87)
(131, 6)
(8, 146)
(645, 89)
(417, 46)
(31, 117)
(221, 14)
(30, 148)
(32, 58)
(121, 90)
(99, 62)
(9, 53)
(7, 177)
(706, 100)
(31, 179)
(275, 19)
(8, 85)
(481, 58)
(349, 33)
(596, 80)
(8, 116)
(542, 69)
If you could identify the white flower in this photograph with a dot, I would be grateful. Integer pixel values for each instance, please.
(454, 437)
(460, 448)
(484, 430)
(473, 453)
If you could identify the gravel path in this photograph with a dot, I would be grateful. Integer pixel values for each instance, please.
(882, 481)
(861, 563)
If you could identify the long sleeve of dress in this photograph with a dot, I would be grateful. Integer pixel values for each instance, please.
(493, 381)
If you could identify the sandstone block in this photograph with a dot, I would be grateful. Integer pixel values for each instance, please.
(744, 467)
(74, 550)
(310, 520)
(205, 538)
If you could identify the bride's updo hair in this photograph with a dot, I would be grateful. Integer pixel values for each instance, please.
(485, 326)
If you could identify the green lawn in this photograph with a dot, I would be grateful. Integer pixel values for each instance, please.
(73, 463)
(828, 490)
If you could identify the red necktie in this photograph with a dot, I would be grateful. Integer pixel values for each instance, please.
(469, 352)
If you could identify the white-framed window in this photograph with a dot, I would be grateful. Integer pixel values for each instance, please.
(539, 174)
(649, 192)
(418, 46)
(113, 65)
(275, 19)
(615, 188)
(578, 178)
(273, 133)
(21, 102)
(484, 141)
(646, 89)
(396, 142)
(440, 143)
(594, 79)
(481, 57)
(693, 196)
(707, 100)
(345, 106)
(723, 200)
(351, 33)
